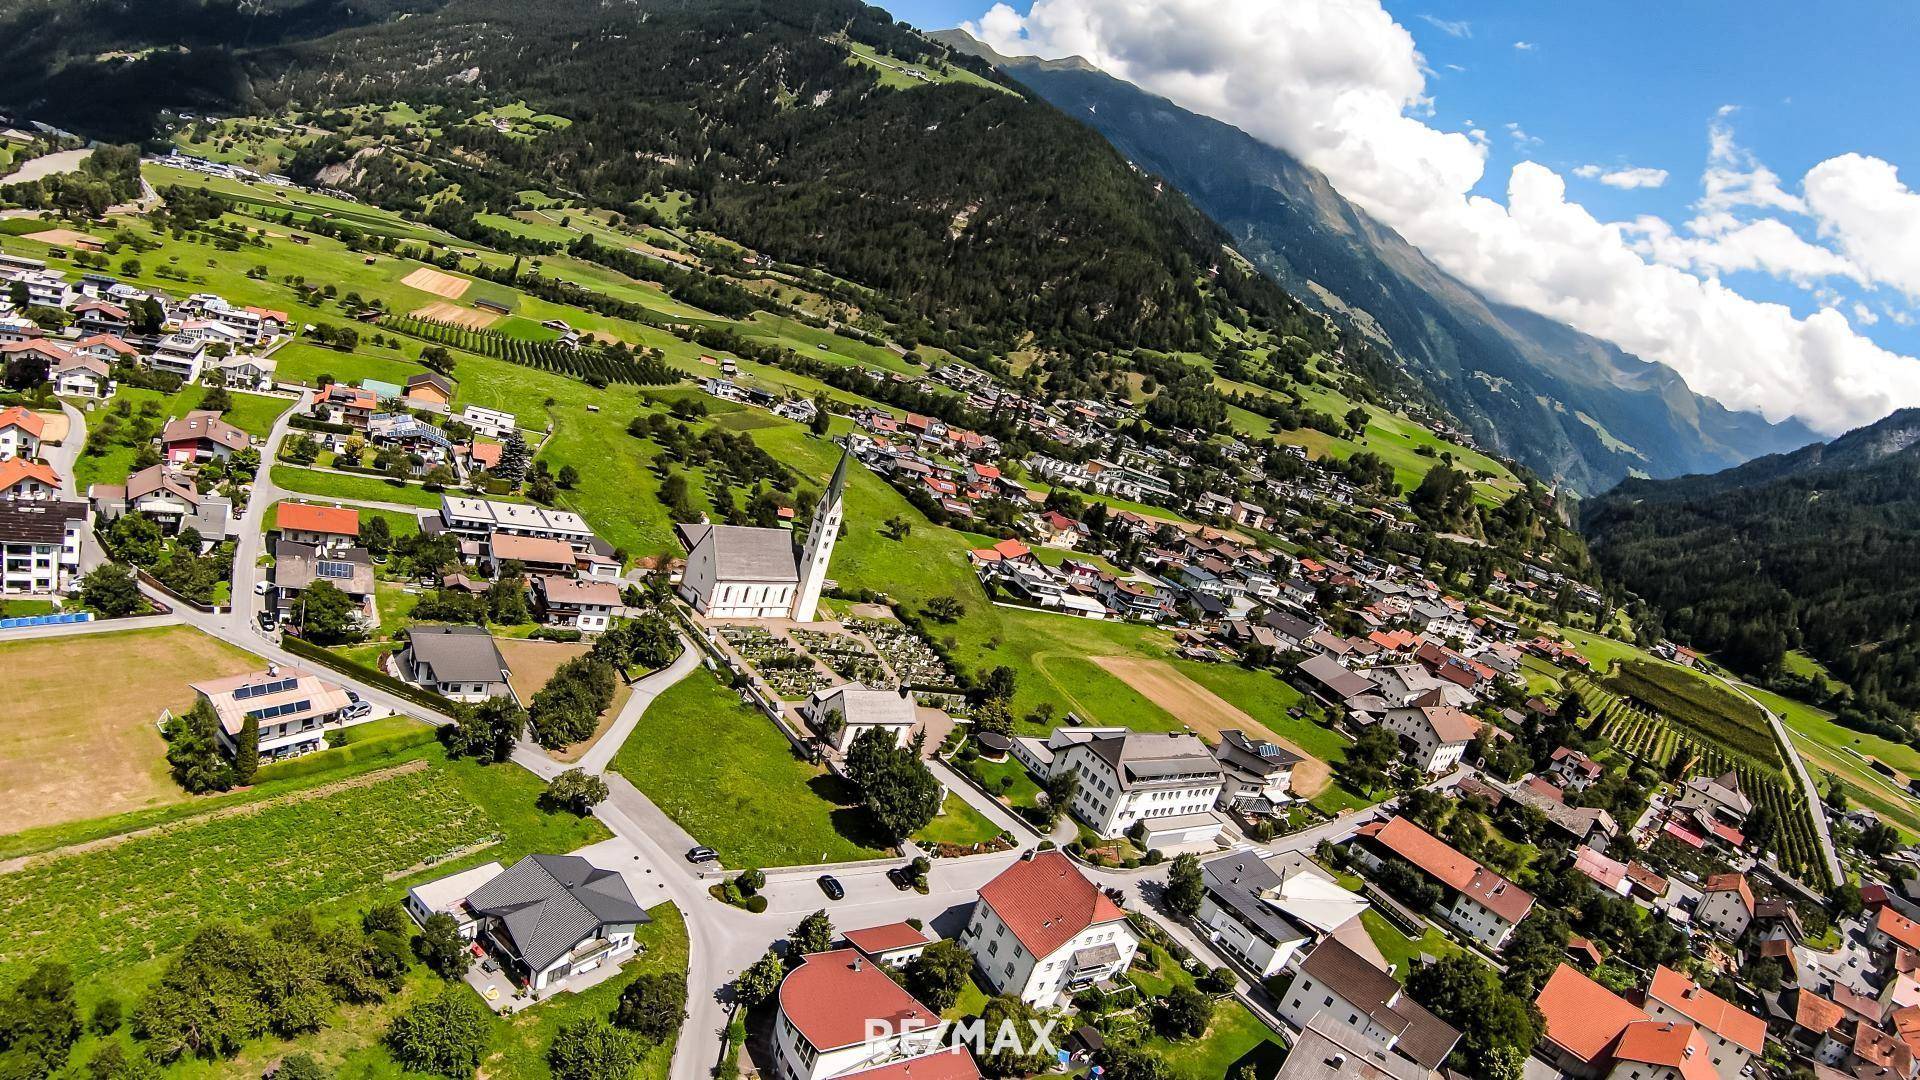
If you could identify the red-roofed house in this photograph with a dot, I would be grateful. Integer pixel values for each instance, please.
(893, 944)
(322, 526)
(1734, 1037)
(1480, 902)
(1892, 928)
(1661, 1051)
(1042, 930)
(20, 432)
(1583, 1020)
(833, 1008)
(21, 479)
(202, 436)
(1726, 905)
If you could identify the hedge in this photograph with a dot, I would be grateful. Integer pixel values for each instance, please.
(381, 679)
(339, 756)
(300, 420)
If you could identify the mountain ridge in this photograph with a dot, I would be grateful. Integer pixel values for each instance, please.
(1568, 405)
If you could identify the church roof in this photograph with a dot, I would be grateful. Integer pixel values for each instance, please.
(743, 553)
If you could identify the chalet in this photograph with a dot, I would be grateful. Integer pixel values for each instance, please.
(320, 526)
(201, 436)
(1258, 774)
(24, 479)
(430, 389)
(1436, 736)
(20, 431)
(350, 405)
(459, 662)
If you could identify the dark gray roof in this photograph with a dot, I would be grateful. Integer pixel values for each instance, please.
(1256, 758)
(457, 653)
(744, 553)
(1420, 1035)
(1296, 628)
(38, 522)
(1331, 674)
(551, 903)
(1138, 758)
(1236, 881)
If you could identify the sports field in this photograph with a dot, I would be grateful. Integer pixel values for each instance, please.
(79, 739)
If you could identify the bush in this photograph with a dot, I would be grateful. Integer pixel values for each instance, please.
(755, 904)
(107, 1015)
(445, 1035)
(555, 633)
(653, 1006)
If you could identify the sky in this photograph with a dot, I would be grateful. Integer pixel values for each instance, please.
(1733, 189)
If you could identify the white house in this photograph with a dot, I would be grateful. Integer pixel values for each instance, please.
(1477, 901)
(1734, 1037)
(1339, 984)
(1258, 774)
(80, 375)
(481, 518)
(489, 422)
(291, 706)
(841, 713)
(894, 944)
(448, 896)
(549, 917)
(1726, 905)
(576, 603)
(840, 1014)
(1265, 910)
(20, 433)
(459, 662)
(1041, 931)
(40, 544)
(1437, 736)
(1170, 782)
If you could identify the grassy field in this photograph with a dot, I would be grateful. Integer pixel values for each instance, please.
(113, 466)
(83, 720)
(304, 362)
(255, 413)
(720, 770)
(327, 485)
(1842, 752)
(1399, 949)
(958, 823)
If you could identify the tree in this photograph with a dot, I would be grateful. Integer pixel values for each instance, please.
(899, 791)
(376, 535)
(193, 750)
(487, 731)
(1470, 995)
(445, 1035)
(1061, 788)
(940, 973)
(39, 1023)
(112, 1062)
(822, 420)
(760, 979)
(1183, 1013)
(576, 790)
(1028, 1056)
(515, 459)
(944, 609)
(654, 1005)
(1128, 1061)
(440, 946)
(325, 614)
(1760, 827)
(1185, 889)
(246, 751)
(568, 476)
(592, 1049)
(111, 591)
(814, 934)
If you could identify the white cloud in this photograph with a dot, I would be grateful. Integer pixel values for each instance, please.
(1459, 28)
(1722, 243)
(1335, 83)
(1860, 202)
(1525, 46)
(1864, 315)
(1630, 178)
(1520, 137)
(1587, 172)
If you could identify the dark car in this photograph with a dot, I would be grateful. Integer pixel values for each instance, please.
(831, 886)
(702, 854)
(268, 621)
(901, 877)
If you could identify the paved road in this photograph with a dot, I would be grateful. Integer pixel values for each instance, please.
(1815, 807)
(252, 542)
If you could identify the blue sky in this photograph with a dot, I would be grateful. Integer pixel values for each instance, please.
(1610, 85)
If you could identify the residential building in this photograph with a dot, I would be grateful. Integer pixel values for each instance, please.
(894, 944)
(458, 662)
(534, 554)
(245, 372)
(842, 713)
(21, 478)
(351, 405)
(201, 436)
(429, 389)
(1726, 905)
(20, 430)
(1733, 1036)
(168, 497)
(1584, 1021)
(80, 375)
(481, 518)
(100, 317)
(1476, 900)
(1572, 769)
(1257, 774)
(291, 706)
(840, 1014)
(1339, 984)
(448, 896)
(549, 917)
(1265, 909)
(296, 567)
(178, 355)
(492, 423)
(1170, 782)
(1041, 931)
(1437, 737)
(40, 545)
(324, 527)
(1326, 1050)
(1719, 797)
(575, 603)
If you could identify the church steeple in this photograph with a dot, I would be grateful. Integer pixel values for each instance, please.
(821, 534)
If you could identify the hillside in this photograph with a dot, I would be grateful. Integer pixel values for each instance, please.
(1566, 405)
(1817, 550)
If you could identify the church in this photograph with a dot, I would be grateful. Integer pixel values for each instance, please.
(740, 572)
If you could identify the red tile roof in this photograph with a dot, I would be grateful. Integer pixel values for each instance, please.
(1708, 1009)
(831, 996)
(25, 419)
(111, 342)
(306, 517)
(1898, 927)
(1734, 883)
(879, 939)
(953, 1063)
(1045, 900)
(1815, 1013)
(1450, 868)
(15, 471)
(1675, 1046)
(1583, 1017)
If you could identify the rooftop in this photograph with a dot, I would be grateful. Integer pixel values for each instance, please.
(1046, 901)
(833, 996)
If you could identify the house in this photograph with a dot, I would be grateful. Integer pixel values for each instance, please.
(1726, 905)
(1168, 782)
(100, 317)
(201, 436)
(291, 706)
(458, 662)
(480, 519)
(841, 713)
(1258, 774)
(1891, 930)
(179, 355)
(1733, 1036)
(534, 554)
(548, 917)
(81, 375)
(296, 567)
(21, 478)
(1340, 985)
(1437, 736)
(1476, 900)
(323, 527)
(1819, 1027)
(40, 545)
(575, 603)
(1583, 1022)
(448, 896)
(1041, 931)
(429, 389)
(243, 372)
(1328, 680)
(20, 430)
(1719, 798)
(1265, 909)
(350, 405)
(1572, 769)
(489, 422)
(1326, 1050)
(893, 944)
(170, 498)
(840, 1015)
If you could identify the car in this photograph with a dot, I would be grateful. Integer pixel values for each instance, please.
(831, 886)
(901, 877)
(355, 710)
(262, 588)
(353, 696)
(702, 854)
(268, 620)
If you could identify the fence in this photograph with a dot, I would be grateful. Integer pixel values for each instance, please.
(46, 620)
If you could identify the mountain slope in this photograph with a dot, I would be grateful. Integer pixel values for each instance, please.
(1817, 550)
(1567, 405)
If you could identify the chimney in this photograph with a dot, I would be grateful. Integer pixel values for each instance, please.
(1027, 855)
(856, 961)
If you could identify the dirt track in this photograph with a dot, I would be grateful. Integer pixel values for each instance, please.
(429, 280)
(1207, 713)
(471, 318)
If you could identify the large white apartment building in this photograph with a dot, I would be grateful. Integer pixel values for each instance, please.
(1041, 931)
(1171, 782)
(481, 518)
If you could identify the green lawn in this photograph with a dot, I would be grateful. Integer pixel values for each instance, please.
(365, 488)
(1236, 1038)
(1021, 789)
(1400, 950)
(255, 413)
(958, 823)
(113, 466)
(302, 362)
(721, 770)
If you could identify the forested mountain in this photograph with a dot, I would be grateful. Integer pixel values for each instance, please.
(1565, 404)
(1817, 550)
(994, 220)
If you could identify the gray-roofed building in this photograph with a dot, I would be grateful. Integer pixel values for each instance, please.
(840, 714)
(1258, 773)
(739, 572)
(297, 566)
(552, 916)
(170, 499)
(40, 544)
(1330, 681)
(1265, 909)
(459, 662)
(1341, 985)
(1142, 776)
(1330, 1051)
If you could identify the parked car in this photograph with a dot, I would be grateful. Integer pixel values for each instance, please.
(268, 620)
(901, 877)
(355, 710)
(831, 886)
(262, 588)
(702, 854)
